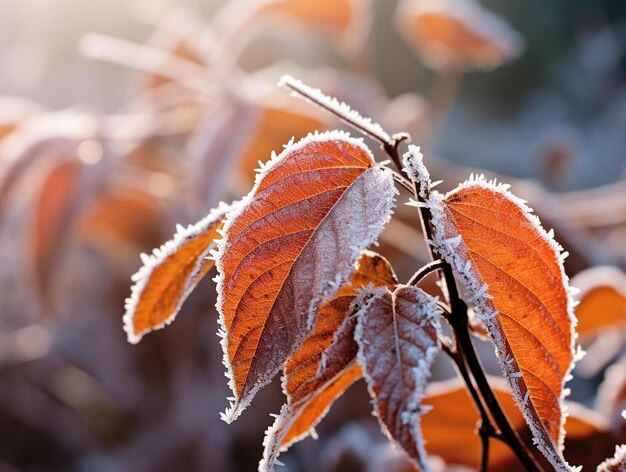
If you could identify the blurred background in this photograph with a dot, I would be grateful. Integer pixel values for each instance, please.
(120, 119)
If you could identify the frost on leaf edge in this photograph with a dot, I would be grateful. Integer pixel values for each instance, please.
(236, 406)
(433, 313)
(337, 107)
(479, 296)
(617, 462)
(274, 434)
(159, 257)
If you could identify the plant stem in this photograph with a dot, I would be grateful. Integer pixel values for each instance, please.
(509, 435)
(424, 271)
(484, 437)
(465, 356)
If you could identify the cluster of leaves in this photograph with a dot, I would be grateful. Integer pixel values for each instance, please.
(81, 194)
(298, 291)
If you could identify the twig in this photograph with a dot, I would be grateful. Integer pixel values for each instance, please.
(424, 271)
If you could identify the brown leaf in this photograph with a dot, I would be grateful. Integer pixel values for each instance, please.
(617, 463)
(602, 300)
(170, 274)
(457, 34)
(322, 353)
(320, 369)
(514, 274)
(55, 209)
(398, 339)
(454, 415)
(294, 241)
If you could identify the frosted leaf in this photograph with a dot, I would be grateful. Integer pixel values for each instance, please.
(513, 274)
(296, 422)
(289, 247)
(398, 339)
(169, 275)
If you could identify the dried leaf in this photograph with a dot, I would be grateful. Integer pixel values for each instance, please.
(398, 339)
(320, 369)
(513, 271)
(454, 415)
(170, 274)
(289, 247)
(602, 299)
(457, 34)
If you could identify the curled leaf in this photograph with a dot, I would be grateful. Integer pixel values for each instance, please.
(169, 275)
(289, 247)
(398, 339)
(513, 271)
(457, 34)
(323, 366)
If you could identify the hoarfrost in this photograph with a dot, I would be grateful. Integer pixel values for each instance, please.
(324, 263)
(398, 337)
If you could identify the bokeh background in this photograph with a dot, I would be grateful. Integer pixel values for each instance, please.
(119, 119)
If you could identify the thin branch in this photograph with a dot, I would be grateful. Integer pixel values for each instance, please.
(509, 434)
(483, 396)
(424, 271)
(146, 58)
(340, 110)
(485, 434)
(399, 178)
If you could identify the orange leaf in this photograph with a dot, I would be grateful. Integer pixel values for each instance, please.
(514, 275)
(170, 274)
(602, 299)
(263, 128)
(291, 245)
(123, 216)
(344, 20)
(32, 155)
(296, 423)
(319, 371)
(457, 34)
(55, 207)
(398, 339)
(454, 415)
(324, 352)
